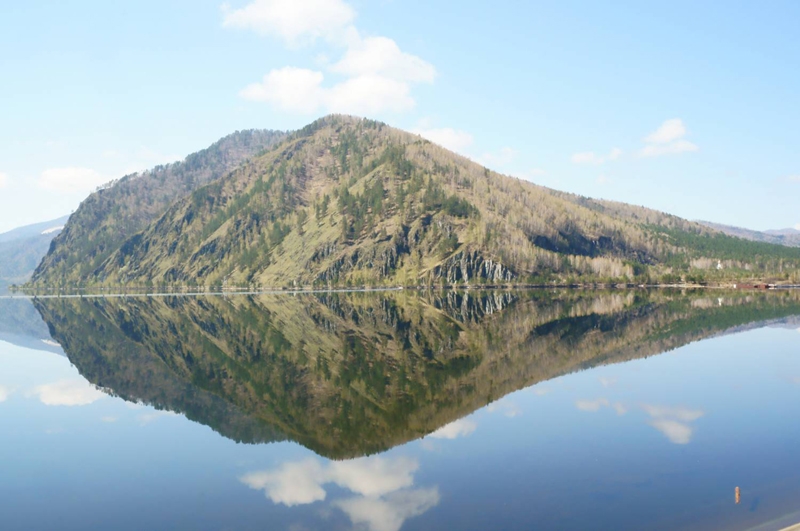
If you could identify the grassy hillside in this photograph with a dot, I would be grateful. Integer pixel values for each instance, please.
(353, 374)
(347, 201)
(113, 214)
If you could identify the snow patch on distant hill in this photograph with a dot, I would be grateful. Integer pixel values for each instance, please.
(52, 230)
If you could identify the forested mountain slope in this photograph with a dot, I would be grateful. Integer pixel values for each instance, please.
(788, 237)
(348, 201)
(113, 214)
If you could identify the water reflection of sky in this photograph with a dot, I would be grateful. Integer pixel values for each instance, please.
(658, 443)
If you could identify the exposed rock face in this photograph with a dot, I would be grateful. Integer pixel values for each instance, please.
(471, 308)
(466, 266)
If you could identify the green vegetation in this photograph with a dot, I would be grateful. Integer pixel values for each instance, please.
(353, 374)
(352, 202)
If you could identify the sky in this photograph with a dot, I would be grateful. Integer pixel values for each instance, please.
(687, 107)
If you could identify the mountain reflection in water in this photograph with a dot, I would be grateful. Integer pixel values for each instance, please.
(349, 375)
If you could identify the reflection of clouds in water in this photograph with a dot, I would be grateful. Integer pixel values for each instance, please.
(607, 382)
(5, 392)
(679, 413)
(385, 499)
(68, 393)
(454, 430)
(146, 418)
(389, 513)
(673, 422)
(291, 484)
(301, 482)
(676, 432)
(539, 391)
(506, 407)
(109, 419)
(374, 476)
(592, 405)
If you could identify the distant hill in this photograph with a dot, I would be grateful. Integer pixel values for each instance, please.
(350, 202)
(788, 237)
(110, 216)
(22, 249)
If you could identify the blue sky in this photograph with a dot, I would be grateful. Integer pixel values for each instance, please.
(686, 107)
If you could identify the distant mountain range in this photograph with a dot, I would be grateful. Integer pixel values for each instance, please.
(788, 237)
(22, 249)
(352, 202)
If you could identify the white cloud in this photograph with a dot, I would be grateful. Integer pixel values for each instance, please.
(109, 420)
(454, 430)
(676, 432)
(5, 392)
(390, 513)
(292, 484)
(302, 482)
(797, 227)
(377, 74)
(373, 476)
(667, 132)
(300, 90)
(289, 89)
(602, 179)
(4, 180)
(506, 407)
(673, 422)
(679, 413)
(793, 179)
(607, 382)
(540, 391)
(679, 146)
(295, 21)
(370, 94)
(382, 56)
(591, 158)
(452, 139)
(592, 405)
(68, 393)
(70, 180)
(152, 416)
(620, 408)
(536, 172)
(667, 140)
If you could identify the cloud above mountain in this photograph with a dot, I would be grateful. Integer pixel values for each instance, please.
(373, 75)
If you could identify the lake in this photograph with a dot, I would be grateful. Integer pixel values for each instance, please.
(498, 410)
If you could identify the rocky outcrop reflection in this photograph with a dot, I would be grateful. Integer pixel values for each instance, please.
(348, 375)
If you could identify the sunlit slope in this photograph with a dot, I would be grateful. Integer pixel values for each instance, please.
(347, 201)
(109, 216)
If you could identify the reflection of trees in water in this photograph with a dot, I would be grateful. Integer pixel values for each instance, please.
(353, 374)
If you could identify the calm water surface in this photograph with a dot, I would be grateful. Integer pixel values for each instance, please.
(381, 412)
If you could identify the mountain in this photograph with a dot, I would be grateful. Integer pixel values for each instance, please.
(788, 237)
(350, 374)
(108, 217)
(21, 325)
(23, 248)
(349, 201)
